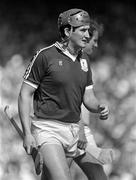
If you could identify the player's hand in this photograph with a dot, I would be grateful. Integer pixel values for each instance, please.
(106, 156)
(82, 142)
(29, 143)
(104, 112)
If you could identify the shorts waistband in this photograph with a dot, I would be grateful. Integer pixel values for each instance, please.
(44, 121)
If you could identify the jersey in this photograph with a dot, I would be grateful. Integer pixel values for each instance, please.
(60, 83)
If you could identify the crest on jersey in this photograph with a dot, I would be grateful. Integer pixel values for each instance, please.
(84, 65)
(60, 63)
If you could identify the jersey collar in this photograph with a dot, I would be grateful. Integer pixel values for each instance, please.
(65, 51)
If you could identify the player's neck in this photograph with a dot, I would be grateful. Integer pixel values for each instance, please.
(73, 51)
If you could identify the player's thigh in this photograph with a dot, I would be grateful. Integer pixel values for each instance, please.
(55, 160)
(91, 170)
(45, 173)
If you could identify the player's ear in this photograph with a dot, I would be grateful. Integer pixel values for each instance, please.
(67, 32)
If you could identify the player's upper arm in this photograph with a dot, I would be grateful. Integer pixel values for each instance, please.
(88, 95)
(26, 90)
(90, 101)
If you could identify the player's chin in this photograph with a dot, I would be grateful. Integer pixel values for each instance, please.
(83, 44)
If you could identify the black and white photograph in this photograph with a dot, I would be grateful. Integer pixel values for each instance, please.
(67, 90)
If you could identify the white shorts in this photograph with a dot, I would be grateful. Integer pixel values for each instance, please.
(55, 132)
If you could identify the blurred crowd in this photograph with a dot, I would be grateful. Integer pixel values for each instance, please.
(115, 83)
(114, 74)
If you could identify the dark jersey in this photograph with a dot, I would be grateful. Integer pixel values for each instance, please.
(60, 83)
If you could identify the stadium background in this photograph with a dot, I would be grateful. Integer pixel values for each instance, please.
(25, 27)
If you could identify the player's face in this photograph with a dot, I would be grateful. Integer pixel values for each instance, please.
(93, 43)
(80, 37)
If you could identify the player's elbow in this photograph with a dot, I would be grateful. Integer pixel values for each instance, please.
(91, 104)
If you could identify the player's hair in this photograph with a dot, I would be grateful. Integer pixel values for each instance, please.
(96, 26)
(61, 30)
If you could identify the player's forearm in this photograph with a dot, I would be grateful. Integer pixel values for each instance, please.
(24, 111)
(81, 124)
(92, 104)
(85, 115)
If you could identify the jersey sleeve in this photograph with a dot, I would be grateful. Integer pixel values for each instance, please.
(36, 70)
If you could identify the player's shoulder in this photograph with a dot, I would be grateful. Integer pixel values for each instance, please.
(46, 50)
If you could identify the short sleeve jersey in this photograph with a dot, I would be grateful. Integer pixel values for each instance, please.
(60, 83)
